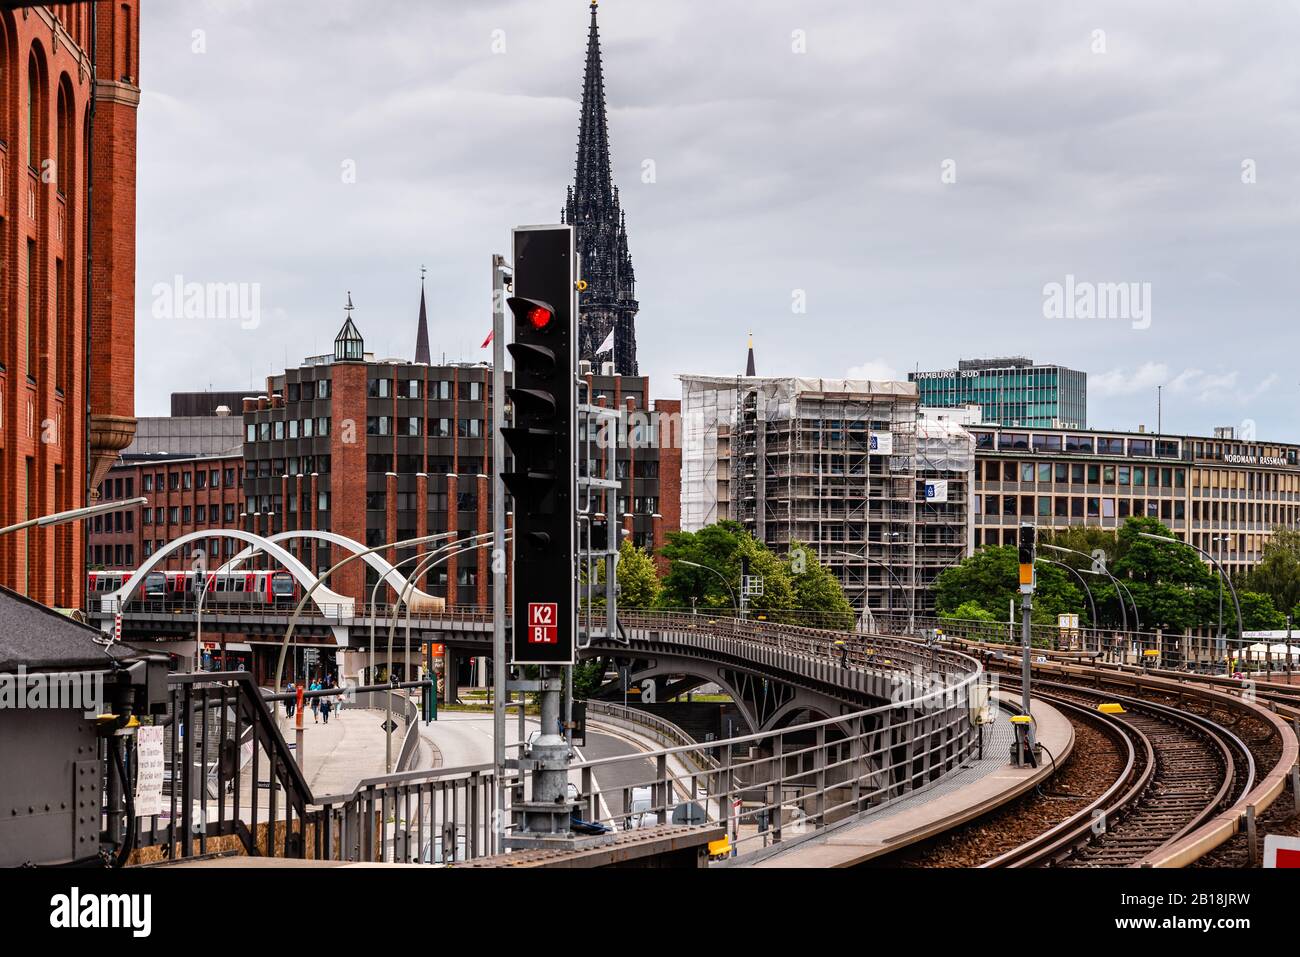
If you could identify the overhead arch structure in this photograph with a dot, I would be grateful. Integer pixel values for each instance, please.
(418, 601)
(330, 604)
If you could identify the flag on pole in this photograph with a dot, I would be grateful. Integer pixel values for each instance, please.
(488, 341)
(608, 344)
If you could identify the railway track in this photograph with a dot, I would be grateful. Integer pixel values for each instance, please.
(1181, 770)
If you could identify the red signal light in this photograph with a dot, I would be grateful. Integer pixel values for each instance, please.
(539, 318)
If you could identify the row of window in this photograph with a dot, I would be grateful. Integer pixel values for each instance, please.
(381, 388)
(181, 514)
(187, 480)
(282, 429)
(1077, 473)
(275, 468)
(436, 428)
(1085, 444)
(299, 391)
(1067, 506)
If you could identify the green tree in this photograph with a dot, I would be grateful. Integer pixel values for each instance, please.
(1258, 612)
(971, 611)
(719, 548)
(638, 579)
(816, 589)
(1171, 586)
(990, 580)
(1278, 572)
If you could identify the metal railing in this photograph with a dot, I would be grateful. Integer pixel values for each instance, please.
(770, 787)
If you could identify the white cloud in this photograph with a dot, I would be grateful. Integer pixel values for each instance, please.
(1220, 388)
(876, 369)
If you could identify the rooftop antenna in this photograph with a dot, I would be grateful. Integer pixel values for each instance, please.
(1160, 410)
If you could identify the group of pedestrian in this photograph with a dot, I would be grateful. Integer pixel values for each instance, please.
(321, 705)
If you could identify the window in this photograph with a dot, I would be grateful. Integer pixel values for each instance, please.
(377, 425)
(468, 428)
(201, 479)
(1026, 471)
(264, 431)
(412, 425)
(1108, 446)
(377, 388)
(200, 513)
(187, 480)
(252, 432)
(228, 513)
(29, 305)
(279, 428)
(146, 516)
(1044, 506)
(230, 478)
(412, 388)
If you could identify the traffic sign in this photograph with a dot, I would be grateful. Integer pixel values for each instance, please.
(1280, 851)
(543, 627)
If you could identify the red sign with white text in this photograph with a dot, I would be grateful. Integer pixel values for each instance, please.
(542, 623)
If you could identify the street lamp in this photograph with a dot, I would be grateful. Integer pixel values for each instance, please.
(1241, 631)
(1075, 572)
(72, 515)
(721, 578)
(1119, 596)
(911, 603)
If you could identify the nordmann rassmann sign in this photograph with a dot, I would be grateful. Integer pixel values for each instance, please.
(1234, 459)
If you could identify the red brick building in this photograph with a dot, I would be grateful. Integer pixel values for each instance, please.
(185, 495)
(69, 90)
(388, 451)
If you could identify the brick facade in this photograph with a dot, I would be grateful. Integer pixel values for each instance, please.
(185, 495)
(48, 140)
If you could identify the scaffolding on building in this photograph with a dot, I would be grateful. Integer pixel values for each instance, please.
(839, 466)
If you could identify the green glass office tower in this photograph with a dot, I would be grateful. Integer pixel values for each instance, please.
(1013, 392)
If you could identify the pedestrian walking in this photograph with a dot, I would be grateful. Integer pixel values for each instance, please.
(292, 703)
(326, 706)
(315, 702)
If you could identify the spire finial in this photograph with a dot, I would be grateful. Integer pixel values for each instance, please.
(348, 307)
(422, 272)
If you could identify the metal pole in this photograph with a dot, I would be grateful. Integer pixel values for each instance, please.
(499, 547)
(1026, 609)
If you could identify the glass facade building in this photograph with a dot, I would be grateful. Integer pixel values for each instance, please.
(1011, 392)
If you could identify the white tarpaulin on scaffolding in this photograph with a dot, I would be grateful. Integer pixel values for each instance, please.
(709, 405)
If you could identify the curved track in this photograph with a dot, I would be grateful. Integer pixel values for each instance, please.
(1187, 770)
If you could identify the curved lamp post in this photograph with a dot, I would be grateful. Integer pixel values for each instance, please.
(430, 561)
(1123, 609)
(1075, 572)
(297, 612)
(1241, 631)
(721, 578)
(911, 603)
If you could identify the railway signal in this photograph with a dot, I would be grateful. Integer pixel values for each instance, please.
(1028, 544)
(542, 440)
(543, 484)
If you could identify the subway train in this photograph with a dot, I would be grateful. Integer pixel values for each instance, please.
(258, 588)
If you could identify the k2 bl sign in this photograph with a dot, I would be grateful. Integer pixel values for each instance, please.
(542, 624)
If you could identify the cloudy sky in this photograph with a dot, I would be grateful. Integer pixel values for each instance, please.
(870, 188)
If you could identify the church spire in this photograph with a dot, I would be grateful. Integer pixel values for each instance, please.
(749, 363)
(422, 332)
(594, 181)
(592, 207)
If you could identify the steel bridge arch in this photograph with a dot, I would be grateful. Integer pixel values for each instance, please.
(342, 605)
(419, 601)
(759, 712)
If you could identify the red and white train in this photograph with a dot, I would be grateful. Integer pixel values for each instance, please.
(181, 588)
